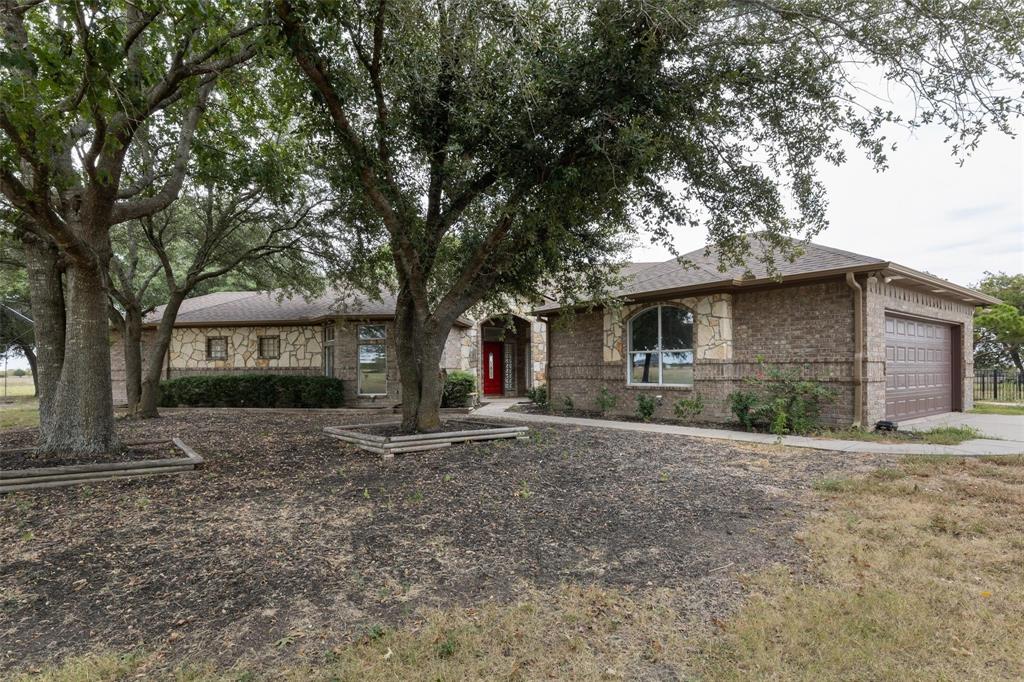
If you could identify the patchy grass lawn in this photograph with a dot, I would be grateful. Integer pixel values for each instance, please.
(914, 572)
(993, 408)
(939, 435)
(21, 412)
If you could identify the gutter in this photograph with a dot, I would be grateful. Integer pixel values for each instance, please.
(858, 353)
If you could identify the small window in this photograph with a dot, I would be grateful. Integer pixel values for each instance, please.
(372, 360)
(270, 347)
(216, 348)
(661, 347)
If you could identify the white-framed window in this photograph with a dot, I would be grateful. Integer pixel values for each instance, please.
(372, 359)
(216, 348)
(269, 347)
(660, 341)
(327, 359)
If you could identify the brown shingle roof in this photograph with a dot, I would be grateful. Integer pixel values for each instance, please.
(704, 272)
(264, 307)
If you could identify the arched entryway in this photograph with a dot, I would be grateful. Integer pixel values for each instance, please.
(505, 356)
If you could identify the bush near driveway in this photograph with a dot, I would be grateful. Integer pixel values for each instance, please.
(252, 390)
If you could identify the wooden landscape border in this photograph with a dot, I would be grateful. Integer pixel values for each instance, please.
(389, 446)
(73, 474)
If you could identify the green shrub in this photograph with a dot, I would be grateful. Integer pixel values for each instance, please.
(645, 407)
(780, 401)
(538, 395)
(20, 372)
(458, 389)
(605, 400)
(567, 404)
(688, 408)
(252, 390)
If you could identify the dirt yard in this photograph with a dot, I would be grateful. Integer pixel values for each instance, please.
(290, 541)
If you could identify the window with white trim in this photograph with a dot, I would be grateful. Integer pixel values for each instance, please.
(660, 341)
(372, 359)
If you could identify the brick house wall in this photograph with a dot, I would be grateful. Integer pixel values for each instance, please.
(808, 327)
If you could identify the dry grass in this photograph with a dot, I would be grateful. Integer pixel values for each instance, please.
(22, 412)
(939, 435)
(994, 408)
(917, 573)
(16, 386)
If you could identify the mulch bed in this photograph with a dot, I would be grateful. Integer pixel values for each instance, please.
(289, 542)
(395, 428)
(27, 458)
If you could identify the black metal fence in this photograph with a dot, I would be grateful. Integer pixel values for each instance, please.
(1004, 385)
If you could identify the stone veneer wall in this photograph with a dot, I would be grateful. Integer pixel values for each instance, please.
(809, 327)
(300, 349)
(880, 298)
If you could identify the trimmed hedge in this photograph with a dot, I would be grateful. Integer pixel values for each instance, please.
(458, 388)
(252, 390)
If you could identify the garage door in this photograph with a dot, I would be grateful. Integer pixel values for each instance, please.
(918, 368)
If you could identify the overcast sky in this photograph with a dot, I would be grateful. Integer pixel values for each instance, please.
(925, 211)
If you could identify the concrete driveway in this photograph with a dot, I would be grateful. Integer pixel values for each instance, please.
(1003, 426)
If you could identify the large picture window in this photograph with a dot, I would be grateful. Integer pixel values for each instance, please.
(373, 360)
(661, 347)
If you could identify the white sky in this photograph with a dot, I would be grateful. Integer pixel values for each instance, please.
(925, 212)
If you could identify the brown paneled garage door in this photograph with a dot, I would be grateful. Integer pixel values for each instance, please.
(918, 368)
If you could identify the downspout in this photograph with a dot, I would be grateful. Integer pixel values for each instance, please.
(858, 353)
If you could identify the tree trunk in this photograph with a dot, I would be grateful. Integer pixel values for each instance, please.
(419, 344)
(155, 354)
(132, 344)
(33, 365)
(83, 409)
(46, 295)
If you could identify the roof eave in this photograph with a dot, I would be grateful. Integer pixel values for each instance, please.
(940, 286)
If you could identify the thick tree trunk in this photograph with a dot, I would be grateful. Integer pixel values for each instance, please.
(83, 410)
(131, 334)
(419, 345)
(155, 354)
(46, 294)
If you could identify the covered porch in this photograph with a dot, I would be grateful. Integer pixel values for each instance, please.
(506, 356)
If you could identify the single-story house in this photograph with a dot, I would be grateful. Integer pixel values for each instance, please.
(894, 343)
(339, 334)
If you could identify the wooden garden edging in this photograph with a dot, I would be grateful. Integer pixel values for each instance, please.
(73, 474)
(389, 446)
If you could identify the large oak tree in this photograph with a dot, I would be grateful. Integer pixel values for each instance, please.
(492, 147)
(80, 84)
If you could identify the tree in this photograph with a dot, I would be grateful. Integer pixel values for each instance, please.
(80, 85)
(17, 333)
(999, 329)
(491, 148)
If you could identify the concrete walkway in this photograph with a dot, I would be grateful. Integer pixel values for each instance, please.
(970, 448)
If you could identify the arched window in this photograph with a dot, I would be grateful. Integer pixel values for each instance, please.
(661, 347)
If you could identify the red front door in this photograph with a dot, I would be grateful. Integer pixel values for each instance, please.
(493, 356)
